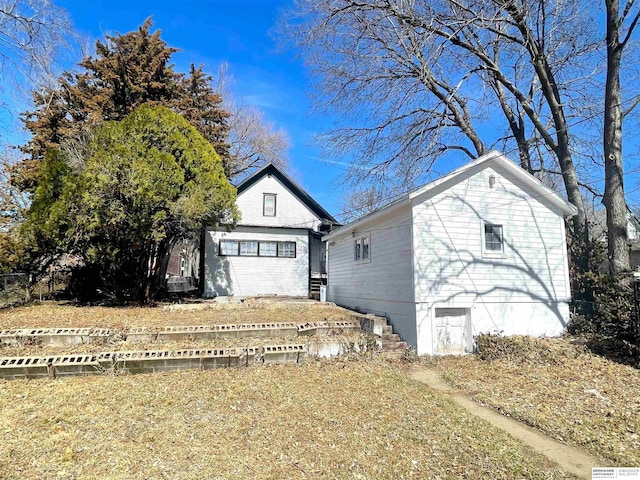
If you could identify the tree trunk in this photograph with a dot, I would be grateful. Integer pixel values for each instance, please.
(614, 201)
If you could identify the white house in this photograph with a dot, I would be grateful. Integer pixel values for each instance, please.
(276, 247)
(480, 250)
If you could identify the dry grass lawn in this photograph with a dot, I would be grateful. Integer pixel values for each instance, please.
(561, 389)
(361, 419)
(51, 314)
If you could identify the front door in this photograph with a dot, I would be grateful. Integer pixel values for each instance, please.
(451, 327)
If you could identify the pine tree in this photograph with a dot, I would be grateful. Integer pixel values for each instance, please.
(202, 108)
(127, 71)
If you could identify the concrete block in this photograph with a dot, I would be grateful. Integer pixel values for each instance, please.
(9, 337)
(197, 332)
(162, 361)
(49, 366)
(284, 354)
(53, 337)
(326, 349)
(141, 334)
(371, 323)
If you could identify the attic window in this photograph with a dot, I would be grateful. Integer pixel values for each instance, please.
(269, 205)
(493, 238)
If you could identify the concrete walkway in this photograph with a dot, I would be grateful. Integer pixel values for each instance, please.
(569, 458)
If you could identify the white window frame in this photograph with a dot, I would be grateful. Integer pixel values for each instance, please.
(264, 204)
(250, 246)
(224, 253)
(487, 252)
(264, 251)
(362, 249)
(285, 251)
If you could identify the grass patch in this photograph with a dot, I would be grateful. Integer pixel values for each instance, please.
(559, 388)
(52, 314)
(325, 419)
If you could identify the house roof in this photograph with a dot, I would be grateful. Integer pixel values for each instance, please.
(293, 187)
(494, 159)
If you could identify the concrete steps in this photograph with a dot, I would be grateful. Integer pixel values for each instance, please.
(388, 341)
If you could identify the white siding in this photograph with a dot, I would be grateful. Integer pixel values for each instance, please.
(290, 211)
(524, 290)
(384, 285)
(252, 276)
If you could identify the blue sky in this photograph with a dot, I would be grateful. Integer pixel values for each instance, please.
(238, 32)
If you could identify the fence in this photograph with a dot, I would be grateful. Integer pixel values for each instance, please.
(14, 289)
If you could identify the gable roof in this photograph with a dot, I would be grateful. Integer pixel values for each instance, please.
(292, 186)
(494, 159)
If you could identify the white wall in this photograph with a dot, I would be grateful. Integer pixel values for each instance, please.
(385, 284)
(252, 276)
(524, 290)
(290, 211)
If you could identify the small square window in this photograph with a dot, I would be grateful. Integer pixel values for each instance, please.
(269, 205)
(248, 249)
(228, 247)
(268, 249)
(287, 249)
(493, 239)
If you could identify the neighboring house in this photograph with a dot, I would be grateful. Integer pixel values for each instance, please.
(480, 250)
(276, 248)
(598, 220)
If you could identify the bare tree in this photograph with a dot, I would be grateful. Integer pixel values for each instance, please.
(32, 33)
(415, 79)
(253, 140)
(617, 24)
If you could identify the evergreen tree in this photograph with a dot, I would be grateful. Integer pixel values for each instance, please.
(148, 180)
(202, 108)
(127, 71)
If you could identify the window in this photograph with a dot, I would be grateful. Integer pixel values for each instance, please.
(248, 249)
(362, 250)
(365, 248)
(254, 248)
(269, 205)
(228, 247)
(268, 249)
(287, 249)
(493, 239)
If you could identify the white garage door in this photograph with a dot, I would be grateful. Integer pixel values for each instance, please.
(452, 330)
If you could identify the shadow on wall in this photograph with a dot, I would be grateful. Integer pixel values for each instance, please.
(460, 270)
(218, 278)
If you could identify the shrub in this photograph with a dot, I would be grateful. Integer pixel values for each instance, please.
(522, 349)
